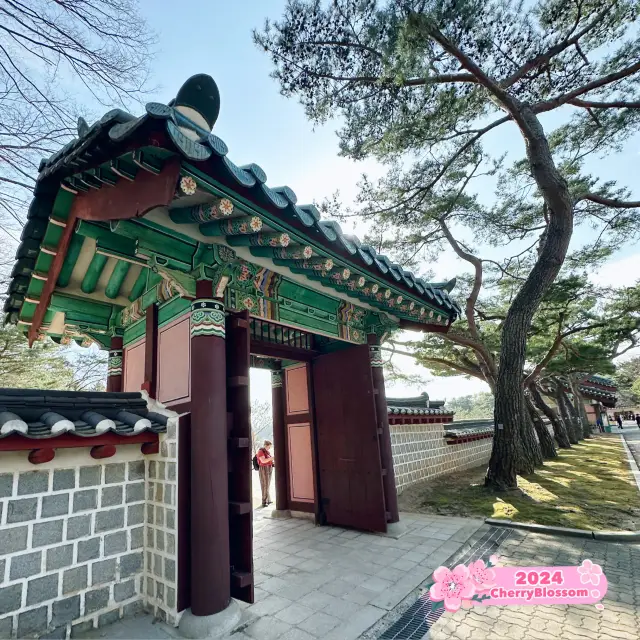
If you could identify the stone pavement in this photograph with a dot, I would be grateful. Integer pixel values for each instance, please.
(333, 583)
(620, 619)
(327, 582)
(632, 436)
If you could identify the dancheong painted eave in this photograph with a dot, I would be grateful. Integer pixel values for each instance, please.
(206, 197)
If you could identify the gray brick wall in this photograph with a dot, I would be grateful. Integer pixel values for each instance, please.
(71, 547)
(420, 452)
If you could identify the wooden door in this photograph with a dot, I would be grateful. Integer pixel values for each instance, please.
(184, 512)
(239, 430)
(347, 434)
(299, 438)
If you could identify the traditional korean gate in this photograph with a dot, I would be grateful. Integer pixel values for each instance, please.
(239, 431)
(348, 447)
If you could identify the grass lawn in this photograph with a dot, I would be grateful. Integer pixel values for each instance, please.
(586, 487)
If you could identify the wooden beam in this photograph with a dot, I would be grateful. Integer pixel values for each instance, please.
(292, 252)
(93, 273)
(424, 327)
(217, 209)
(130, 198)
(260, 240)
(118, 275)
(73, 252)
(272, 350)
(232, 227)
(151, 351)
(140, 285)
(54, 272)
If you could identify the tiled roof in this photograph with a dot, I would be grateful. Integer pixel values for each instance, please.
(114, 133)
(404, 411)
(41, 414)
(416, 402)
(606, 382)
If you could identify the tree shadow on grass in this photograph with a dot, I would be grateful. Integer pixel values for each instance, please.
(587, 487)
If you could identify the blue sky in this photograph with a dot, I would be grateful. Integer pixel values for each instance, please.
(259, 125)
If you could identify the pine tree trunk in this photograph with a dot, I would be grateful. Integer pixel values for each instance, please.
(566, 416)
(509, 407)
(547, 445)
(507, 448)
(587, 430)
(573, 415)
(559, 428)
(532, 457)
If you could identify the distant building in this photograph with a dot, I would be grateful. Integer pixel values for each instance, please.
(599, 394)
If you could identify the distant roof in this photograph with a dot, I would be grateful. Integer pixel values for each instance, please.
(416, 402)
(92, 162)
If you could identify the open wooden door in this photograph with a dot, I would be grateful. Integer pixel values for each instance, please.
(239, 430)
(348, 446)
(298, 424)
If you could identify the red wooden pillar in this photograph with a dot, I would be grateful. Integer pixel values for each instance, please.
(115, 365)
(210, 566)
(384, 434)
(151, 351)
(279, 441)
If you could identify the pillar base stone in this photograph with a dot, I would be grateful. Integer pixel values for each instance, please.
(395, 530)
(217, 625)
(280, 513)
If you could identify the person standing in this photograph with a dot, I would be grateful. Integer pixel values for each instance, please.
(619, 421)
(638, 419)
(265, 462)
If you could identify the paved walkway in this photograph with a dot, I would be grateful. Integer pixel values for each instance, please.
(338, 584)
(620, 619)
(328, 582)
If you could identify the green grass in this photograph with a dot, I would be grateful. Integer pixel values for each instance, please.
(586, 487)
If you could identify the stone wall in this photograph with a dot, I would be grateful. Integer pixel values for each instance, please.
(71, 545)
(420, 452)
(84, 542)
(161, 526)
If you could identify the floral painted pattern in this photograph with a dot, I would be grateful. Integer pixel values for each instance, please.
(188, 185)
(225, 206)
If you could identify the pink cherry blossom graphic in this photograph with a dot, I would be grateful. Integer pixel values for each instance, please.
(483, 577)
(452, 587)
(590, 572)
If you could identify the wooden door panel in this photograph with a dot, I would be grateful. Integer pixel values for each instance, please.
(300, 462)
(348, 445)
(297, 389)
(299, 428)
(239, 431)
(134, 366)
(174, 350)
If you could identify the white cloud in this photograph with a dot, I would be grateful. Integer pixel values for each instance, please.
(624, 272)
